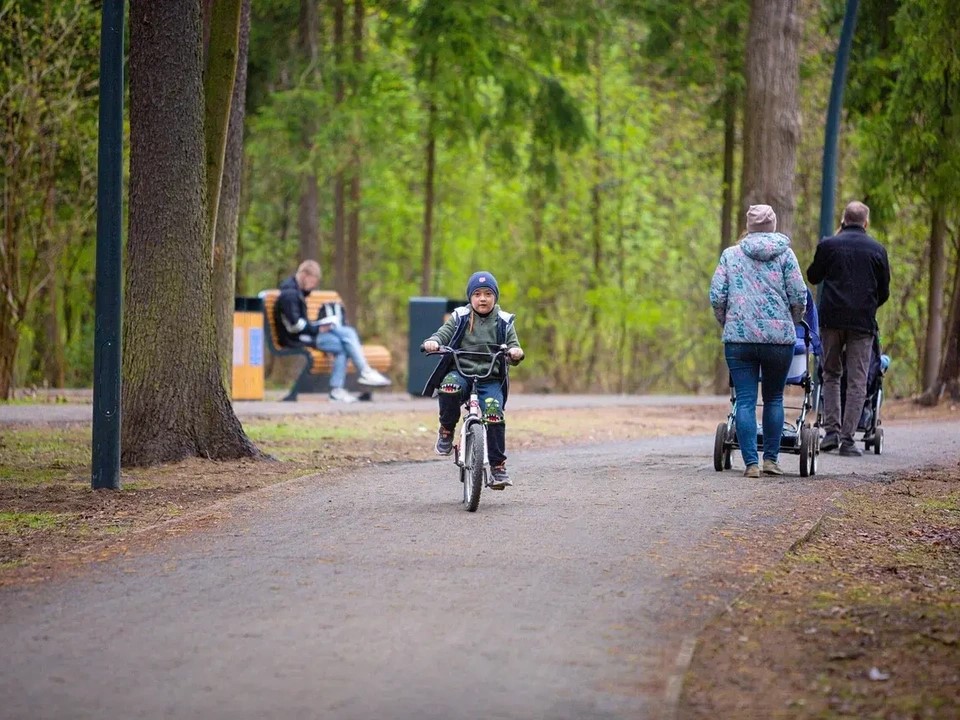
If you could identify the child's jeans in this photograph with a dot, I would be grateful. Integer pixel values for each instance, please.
(455, 390)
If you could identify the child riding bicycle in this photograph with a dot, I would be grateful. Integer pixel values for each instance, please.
(480, 324)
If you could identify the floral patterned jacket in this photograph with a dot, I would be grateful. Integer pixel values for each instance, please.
(757, 291)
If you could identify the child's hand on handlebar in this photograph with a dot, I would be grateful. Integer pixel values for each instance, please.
(515, 354)
(430, 346)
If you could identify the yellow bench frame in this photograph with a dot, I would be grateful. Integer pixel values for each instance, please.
(315, 376)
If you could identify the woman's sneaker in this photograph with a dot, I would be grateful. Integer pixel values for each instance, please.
(444, 444)
(373, 377)
(500, 477)
(770, 467)
(752, 471)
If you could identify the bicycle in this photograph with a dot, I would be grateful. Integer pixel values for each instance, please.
(473, 461)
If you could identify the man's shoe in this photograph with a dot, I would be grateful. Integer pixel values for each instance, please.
(501, 478)
(831, 441)
(752, 471)
(770, 467)
(341, 395)
(849, 449)
(374, 378)
(444, 444)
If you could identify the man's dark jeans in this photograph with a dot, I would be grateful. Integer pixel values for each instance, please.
(748, 363)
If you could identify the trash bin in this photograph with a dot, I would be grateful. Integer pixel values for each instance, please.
(426, 315)
(247, 383)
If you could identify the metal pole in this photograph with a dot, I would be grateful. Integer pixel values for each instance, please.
(107, 348)
(830, 141)
(832, 131)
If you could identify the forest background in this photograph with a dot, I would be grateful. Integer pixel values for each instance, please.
(589, 154)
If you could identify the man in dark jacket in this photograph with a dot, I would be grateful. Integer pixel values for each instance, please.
(328, 333)
(855, 273)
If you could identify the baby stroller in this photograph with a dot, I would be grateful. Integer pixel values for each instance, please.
(870, 422)
(798, 438)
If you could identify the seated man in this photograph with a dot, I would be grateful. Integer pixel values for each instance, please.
(328, 334)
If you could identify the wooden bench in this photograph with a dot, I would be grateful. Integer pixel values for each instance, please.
(315, 376)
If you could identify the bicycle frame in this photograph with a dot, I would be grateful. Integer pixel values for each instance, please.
(473, 461)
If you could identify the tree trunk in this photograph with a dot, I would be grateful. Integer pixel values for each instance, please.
(351, 289)
(947, 376)
(10, 317)
(426, 265)
(174, 401)
(219, 79)
(938, 282)
(339, 179)
(308, 218)
(308, 211)
(771, 109)
(225, 239)
(731, 98)
(596, 204)
(950, 367)
(49, 343)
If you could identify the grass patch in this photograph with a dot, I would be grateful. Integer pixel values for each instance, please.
(20, 522)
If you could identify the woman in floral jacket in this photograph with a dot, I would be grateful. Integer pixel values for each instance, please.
(758, 295)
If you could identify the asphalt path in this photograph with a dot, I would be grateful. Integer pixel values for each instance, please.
(371, 594)
(80, 410)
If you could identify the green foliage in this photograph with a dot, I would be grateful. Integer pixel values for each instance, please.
(48, 104)
(578, 159)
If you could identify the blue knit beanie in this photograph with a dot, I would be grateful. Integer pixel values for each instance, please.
(483, 279)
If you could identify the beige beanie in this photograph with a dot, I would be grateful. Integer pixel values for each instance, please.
(761, 218)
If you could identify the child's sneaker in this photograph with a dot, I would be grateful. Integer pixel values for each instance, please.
(500, 477)
(444, 444)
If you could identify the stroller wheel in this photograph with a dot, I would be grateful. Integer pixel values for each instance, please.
(808, 451)
(720, 453)
(878, 442)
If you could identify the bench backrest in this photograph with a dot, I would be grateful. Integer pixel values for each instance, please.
(314, 301)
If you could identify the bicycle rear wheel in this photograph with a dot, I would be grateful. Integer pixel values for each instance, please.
(473, 466)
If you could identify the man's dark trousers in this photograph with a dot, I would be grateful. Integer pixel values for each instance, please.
(859, 346)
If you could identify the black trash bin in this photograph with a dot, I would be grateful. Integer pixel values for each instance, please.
(426, 315)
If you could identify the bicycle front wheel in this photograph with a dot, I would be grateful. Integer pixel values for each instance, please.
(473, 466)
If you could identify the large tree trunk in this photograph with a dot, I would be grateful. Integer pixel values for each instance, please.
(938, 282)
(228, 217)
(174, 401)
(771, 111)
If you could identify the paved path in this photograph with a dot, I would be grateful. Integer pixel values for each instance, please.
(572, 596)
(383, 402)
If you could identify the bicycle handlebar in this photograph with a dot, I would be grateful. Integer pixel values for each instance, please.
(492, 355)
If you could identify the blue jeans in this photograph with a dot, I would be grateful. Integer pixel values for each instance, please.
(455, 390)
(752, 363)
(343, 343)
